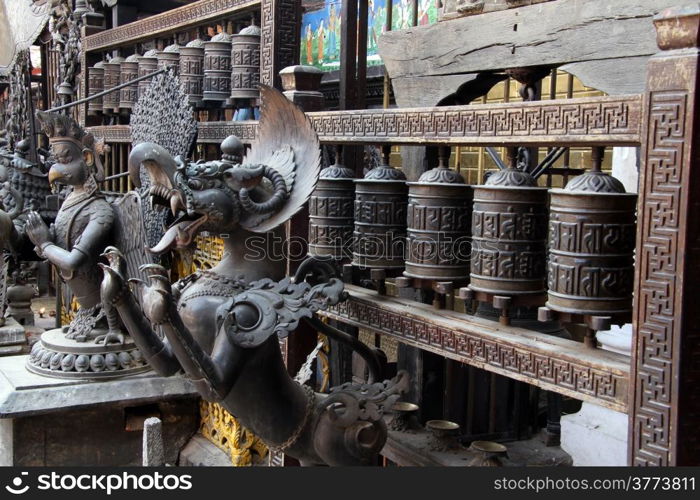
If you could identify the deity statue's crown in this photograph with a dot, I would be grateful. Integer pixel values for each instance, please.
(63, 128)
(60, 128)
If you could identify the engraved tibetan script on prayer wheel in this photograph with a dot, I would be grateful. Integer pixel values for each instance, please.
(192, 71)
(380, 219)
(331, 209)
(439, 218)
(96, 76)
(110, 102)
(591, 246)
(169, 57)
(148, 63)
(509, 234)
(129, 70)
(217, 68)
(245, 63)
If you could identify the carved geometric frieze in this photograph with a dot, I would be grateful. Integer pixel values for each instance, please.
(166, 22)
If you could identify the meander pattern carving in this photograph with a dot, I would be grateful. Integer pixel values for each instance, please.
(657, 260)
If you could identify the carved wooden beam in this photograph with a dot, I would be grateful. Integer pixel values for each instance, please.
(572, 122)
(664, 402)
(555, 364)
(166, 23)
(207, 135)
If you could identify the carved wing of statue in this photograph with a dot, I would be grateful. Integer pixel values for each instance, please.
(130, 235)
(288, 143)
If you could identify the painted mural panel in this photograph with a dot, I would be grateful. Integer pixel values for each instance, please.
(320, 28)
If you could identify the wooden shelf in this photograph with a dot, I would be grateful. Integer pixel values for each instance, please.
(166, 23)
(554, 364)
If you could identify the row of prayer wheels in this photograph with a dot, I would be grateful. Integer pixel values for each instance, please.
(217, 72)
(507, 237)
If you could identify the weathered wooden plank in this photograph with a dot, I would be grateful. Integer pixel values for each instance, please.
(550, 33)
(168, 22)
(554, 364)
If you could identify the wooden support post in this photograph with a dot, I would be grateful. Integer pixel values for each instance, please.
(280, 37)
(664, 403)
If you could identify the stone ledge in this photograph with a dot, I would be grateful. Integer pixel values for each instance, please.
(23, 393)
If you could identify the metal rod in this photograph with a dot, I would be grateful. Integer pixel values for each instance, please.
(108, 91)
(493, 154)
(549, 160)
(116, 176)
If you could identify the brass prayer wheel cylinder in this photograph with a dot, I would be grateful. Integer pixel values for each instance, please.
(509, 240)
(110, 102)
(148, 63)
(439, 220)
(169, 57)
(380, 219)
(96, 76)
(217, 68)
(591, 246)
(192, 71)
(129, 70)
(245, 63)
(331, 211)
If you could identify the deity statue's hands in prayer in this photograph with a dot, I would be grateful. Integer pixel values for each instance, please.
(38, 232)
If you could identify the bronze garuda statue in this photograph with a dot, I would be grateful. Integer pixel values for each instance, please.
(84, 223)
(94, 345)
(222, 326)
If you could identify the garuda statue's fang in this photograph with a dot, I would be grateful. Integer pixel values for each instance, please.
(222, 326)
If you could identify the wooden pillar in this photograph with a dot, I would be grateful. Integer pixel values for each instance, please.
(280, 38)
(664, 400)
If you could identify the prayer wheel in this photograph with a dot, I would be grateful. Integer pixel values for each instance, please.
(509, 235)
(245, 63)
(148, 63)
(129, 70)
(169, 57)
(331, 209)
(192, 71)
(591, 246)
(96, 84)
(439, 220)
(217, 68)
(380, 219)
(110, 102)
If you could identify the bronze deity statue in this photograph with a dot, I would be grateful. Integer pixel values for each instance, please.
(84, 223)
(94, 344)
(222, 326)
